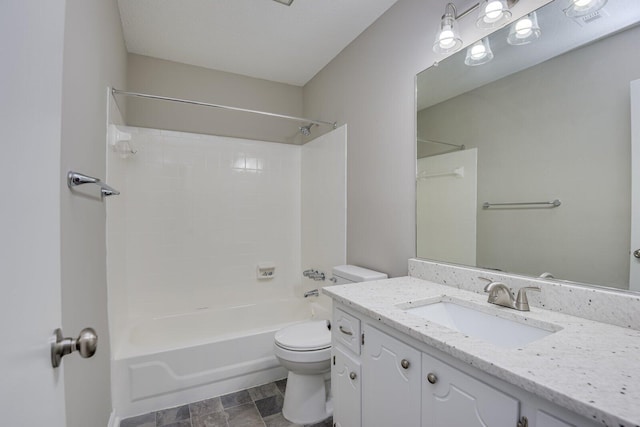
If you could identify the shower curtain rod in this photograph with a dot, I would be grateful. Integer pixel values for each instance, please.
(115, 91)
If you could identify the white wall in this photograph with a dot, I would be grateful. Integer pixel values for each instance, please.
(574, 133)
(200, 212)
(324, 204)
(167, 78)
(370, 86)
(94, 58)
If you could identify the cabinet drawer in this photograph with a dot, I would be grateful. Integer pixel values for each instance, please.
(346, 330)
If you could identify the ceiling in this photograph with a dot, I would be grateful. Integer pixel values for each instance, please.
(256, 38)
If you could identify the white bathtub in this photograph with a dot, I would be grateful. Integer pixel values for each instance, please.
(173, 360)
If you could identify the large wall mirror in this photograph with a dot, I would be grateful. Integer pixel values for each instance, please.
(525, 162)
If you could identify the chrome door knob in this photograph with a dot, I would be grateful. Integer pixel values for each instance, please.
(405, 363)
(636, 253)
(353, 375)
(432, 378)
(86, 344)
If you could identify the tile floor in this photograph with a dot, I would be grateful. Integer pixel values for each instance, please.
(255, 407)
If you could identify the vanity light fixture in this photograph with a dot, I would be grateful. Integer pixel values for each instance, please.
(479, 53)
(494, 13)
(524, 30)
(448, 39)
(578, 8)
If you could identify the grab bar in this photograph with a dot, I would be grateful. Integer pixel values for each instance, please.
(553, 204)
(74, 179)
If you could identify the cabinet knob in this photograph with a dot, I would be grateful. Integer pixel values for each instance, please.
(431, 377)
(405, 363)
(353, 375)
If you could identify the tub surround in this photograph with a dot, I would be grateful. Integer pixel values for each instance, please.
(577, 367)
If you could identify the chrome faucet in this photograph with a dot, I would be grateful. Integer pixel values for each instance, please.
(500, 294)
(312, 293)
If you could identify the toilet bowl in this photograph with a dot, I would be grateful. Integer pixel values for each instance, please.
(304, 349)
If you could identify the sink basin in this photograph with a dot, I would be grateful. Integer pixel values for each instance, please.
(478, 324)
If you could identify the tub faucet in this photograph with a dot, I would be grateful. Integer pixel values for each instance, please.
(313, 293)
(313, 274)
(500, 294)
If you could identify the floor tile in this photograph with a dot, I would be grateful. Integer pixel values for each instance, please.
(205, 407)
(262, 391)
(326, 423)
(215, 419)
(244, 416)
(146, 420)
(235, 399)
(282, 385)
(270, 405)
(278, 420)
(172, 415)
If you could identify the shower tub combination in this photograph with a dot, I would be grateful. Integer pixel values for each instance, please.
(174, 360)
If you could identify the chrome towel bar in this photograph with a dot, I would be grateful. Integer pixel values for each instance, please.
(74, 179)
(553, 204)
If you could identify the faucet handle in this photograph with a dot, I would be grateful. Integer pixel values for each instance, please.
(522, 303)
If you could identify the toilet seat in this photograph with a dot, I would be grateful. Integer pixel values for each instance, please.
(306, 336)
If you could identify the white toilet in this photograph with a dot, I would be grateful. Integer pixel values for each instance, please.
(305, 350)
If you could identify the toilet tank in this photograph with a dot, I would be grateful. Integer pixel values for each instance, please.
(352, 273)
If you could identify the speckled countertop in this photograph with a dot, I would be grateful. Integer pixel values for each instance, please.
(588, 367)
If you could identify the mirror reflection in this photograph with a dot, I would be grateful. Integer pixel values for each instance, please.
(524, 161)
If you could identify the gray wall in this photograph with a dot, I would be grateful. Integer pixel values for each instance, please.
(370, 86)
(94, 58)
(173, 79)
(561, 130)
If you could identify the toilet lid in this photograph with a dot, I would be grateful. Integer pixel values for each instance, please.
(306, 336)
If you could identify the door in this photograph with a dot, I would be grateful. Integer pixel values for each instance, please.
(31, 391)
(345, 385)
(634, 264)
(446, 207)
(453, 398)
(390, 381)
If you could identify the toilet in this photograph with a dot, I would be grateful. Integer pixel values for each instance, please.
(304, 349)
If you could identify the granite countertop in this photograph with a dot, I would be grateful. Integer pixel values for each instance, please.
(587, 367)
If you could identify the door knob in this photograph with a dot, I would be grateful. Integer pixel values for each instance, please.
(86, 344)
(353, 375)
(636, 253)
(405, 364)
(432, 378)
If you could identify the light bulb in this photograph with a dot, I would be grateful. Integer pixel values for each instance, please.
(478, 51)
(446, 38)
(493, 11)
(524, 27)
(582, 3)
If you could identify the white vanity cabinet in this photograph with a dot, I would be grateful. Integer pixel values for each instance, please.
(382, 377)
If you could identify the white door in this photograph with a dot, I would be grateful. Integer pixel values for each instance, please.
(446, 207)
(32, 32)
(634, 265)
(390, 381)
(452, 398)
(345, 386)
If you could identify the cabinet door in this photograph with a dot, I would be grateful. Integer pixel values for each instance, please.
(345, 387)
(453, 398)
(346, 330)
(390, 381)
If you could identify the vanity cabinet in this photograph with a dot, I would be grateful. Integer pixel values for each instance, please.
(382, 377)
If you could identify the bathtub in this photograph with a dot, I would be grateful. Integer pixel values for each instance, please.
(173, 360)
